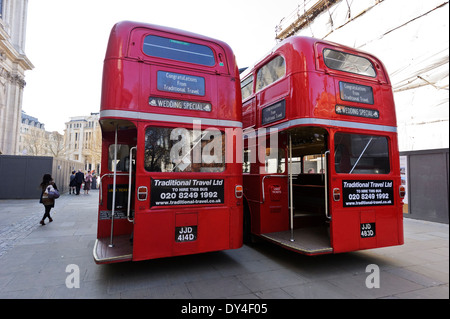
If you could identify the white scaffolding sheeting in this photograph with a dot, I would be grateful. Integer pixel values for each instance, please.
(411, 38)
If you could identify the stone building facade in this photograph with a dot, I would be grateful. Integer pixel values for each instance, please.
(34, 140)
(13, 64)
(83, 140)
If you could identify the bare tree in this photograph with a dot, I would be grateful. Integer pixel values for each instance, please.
(56, 147)
(34, 142)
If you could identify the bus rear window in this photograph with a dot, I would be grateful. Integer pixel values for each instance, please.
(361, 154)
(346, 62)
(178, 50)
(184, 150)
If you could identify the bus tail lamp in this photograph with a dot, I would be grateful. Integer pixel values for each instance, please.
(336, 194)
(402, 191)
(142, 193)
(238, 191)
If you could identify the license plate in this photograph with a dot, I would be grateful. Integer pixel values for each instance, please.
(185, 234)
(367, 230)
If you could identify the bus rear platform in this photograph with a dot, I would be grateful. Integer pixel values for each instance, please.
(120, 250)
(308, 241)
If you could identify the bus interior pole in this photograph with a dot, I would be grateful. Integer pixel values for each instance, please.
(291, 200)
(111, 244)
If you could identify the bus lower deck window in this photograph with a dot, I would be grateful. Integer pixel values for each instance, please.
(122, 158)
(361, 154)
(184, 150)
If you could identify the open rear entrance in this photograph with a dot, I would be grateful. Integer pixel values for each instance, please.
(121, 249)
(116, 199)
(307, 187)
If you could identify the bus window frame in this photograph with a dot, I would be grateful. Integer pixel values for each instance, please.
(118, 166)
(346, 53)
(261, 66)
(251, 81)
(381, 76)
(135, 51)
(374, 134)
(224, 167)
(178, 60)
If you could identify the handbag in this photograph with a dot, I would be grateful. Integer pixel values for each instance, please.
(52, 193)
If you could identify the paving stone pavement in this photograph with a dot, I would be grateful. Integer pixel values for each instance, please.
(45, 262)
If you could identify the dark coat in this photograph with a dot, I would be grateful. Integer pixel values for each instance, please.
(79, 178)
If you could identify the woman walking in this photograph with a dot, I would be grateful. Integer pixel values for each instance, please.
(47, 186)
(87, 182)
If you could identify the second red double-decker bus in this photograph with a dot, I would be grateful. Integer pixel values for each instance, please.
(321, 161)
(168, 96)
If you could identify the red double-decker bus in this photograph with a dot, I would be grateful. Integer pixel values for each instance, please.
(321, 160)
(166, 190)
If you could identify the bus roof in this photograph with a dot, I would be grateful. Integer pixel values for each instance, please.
(119, 38)
(308, 46)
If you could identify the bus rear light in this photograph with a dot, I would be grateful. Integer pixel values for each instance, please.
(402, 191)
(142, 193)
(239, 191)
(336, 194)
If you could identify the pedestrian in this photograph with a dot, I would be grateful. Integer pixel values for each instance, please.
(94, 180)
(79, 179)
(87, 182)
(47, 186)
(72, 183)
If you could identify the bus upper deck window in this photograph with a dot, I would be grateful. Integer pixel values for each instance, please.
(166, 48)
(247, 87)
(346, 62)
(270, 72)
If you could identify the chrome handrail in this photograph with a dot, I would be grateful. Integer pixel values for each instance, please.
(263, 193)
(114, 189)
(325, 172)
(129, 184)
(291, 193)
